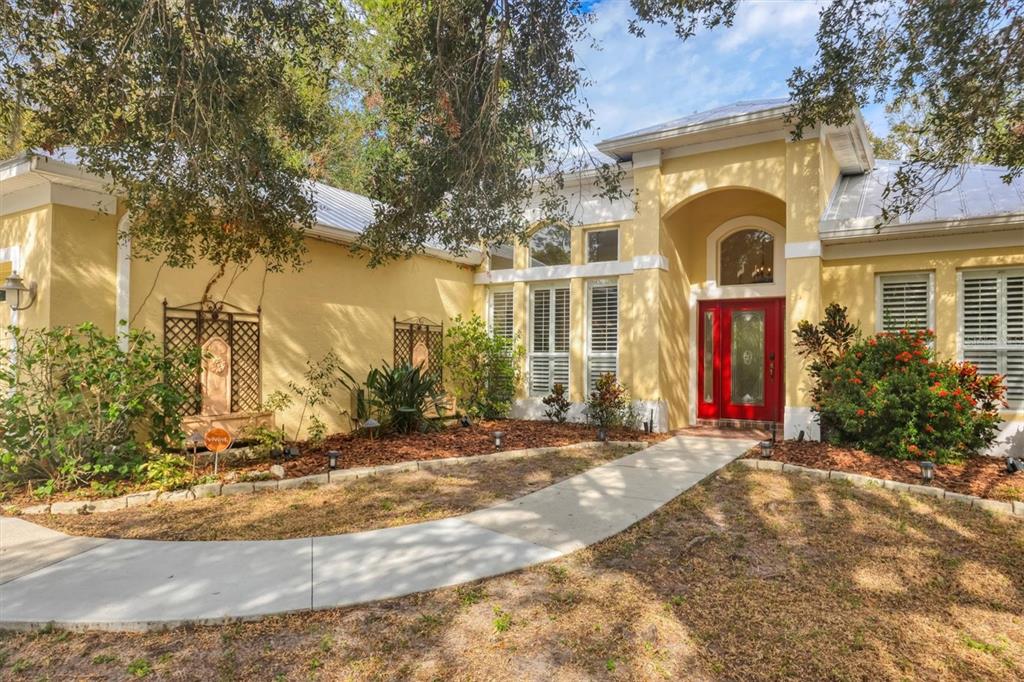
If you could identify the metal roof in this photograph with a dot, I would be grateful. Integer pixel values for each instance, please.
(979, 192)
(341, 209)
(736, 110)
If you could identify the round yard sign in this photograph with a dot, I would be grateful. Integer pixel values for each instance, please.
(217, 440)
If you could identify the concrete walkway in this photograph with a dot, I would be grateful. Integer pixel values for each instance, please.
(89, 583)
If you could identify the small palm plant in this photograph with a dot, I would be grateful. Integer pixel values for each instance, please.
(401, 397)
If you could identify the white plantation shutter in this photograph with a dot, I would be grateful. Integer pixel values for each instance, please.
(980, 309)
(905, 302)
(992, 319)
(502, 319)
(549, 338)
(602, 331)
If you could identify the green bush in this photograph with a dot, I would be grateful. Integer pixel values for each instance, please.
(167, 472)
(483, 369)
(556, 405)
(75, 407)
(608, 403)
(401, 397)
(889, 395)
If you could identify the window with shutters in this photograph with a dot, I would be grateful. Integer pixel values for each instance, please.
(501, 320)
(905, 302)
(992, 325)
(549, 338)
(602, 331)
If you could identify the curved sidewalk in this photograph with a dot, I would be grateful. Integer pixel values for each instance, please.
(89, 583)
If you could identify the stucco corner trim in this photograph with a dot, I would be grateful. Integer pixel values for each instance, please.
(811, 249)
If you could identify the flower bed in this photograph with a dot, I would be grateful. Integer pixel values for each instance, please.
(980, 476)
(361, 451)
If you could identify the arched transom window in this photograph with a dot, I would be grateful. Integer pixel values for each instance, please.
(747, 257)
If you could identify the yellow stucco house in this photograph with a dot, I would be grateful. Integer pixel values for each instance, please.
(688, 293)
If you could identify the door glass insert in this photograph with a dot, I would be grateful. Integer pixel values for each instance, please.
(709, 356)
(747, 357)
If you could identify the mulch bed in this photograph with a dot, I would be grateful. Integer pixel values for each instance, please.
(981, 476)
(451, 441)
(360, 451)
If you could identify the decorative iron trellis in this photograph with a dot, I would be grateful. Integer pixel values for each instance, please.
(190, 326)
(413, 337)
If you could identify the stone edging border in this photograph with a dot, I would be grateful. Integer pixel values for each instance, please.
(861, 481)
(314, 480)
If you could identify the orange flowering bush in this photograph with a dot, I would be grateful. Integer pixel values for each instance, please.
(889, 395)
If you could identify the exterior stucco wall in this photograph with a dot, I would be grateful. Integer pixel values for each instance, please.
(84, 268)
(334, 303)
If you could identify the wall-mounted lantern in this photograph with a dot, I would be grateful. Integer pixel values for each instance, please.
(17, 294)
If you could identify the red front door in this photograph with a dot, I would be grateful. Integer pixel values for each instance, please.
(739, 359)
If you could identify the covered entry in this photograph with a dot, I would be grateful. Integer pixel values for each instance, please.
(740, 355)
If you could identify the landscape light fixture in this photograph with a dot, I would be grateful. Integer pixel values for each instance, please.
(767, 448)
(1013, 465)
(291, 452)
(332, 459)
(499, 439)
(18, 295)
(927, 471)
(371, 425)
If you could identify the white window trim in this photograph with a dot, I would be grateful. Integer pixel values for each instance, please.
(587, 335)
(711, 289)
(1013, 406)
(910, 276)
(586, 245)
(530, 354)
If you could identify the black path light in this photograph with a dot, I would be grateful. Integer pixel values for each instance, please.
(767, 448)
(499, 439)
(332, 459)
(927, 471)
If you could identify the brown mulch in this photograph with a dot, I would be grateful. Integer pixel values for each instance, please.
(451, 441)
(981, 476)
(751, 575)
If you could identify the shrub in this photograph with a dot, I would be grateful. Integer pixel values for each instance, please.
(401, 397)
(889, 395)
(557, 404)
(608, 402)
(167, 472)
(74, 406)
(823, 344)
(321, 382)
(483, 369)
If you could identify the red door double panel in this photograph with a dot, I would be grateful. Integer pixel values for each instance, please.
(739, 359)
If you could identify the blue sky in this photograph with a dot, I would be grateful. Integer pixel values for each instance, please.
(639, 82)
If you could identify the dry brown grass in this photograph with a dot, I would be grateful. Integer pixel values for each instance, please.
(751, 576)
(360, 504)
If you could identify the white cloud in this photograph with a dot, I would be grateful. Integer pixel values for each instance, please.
(776, 23)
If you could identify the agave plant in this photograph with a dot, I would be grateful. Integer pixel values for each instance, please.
(401, 396)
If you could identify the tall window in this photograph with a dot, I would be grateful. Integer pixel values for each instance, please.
(549, 338)
(602, 245)
(550, 246)
(747, 257)
(501, 319)
(992, 325)
(905, 302)
(602, 331)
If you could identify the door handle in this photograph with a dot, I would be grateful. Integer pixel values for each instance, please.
(771, 365)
